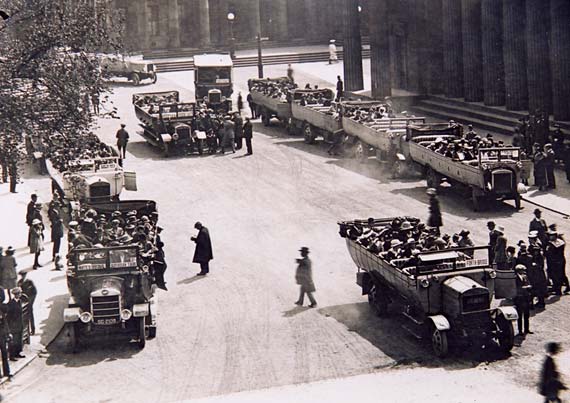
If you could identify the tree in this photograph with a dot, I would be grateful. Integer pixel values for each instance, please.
(49, 67)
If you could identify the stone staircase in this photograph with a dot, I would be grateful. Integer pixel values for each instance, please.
(494, 119)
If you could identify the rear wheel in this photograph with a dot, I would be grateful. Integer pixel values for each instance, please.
(506, 336)
(378, 301)
(360, 152)
(142, 333)
(136, 79)
(166, 151)
(309, 134)
(439, 342)
(397, 169)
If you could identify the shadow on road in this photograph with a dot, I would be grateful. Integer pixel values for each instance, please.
(190, 280)
(389, 336)
(50, 326)
(295, 311)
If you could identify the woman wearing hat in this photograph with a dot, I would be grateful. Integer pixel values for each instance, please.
(501, 249)
(8, 274)
(36, 241)
(556, 262)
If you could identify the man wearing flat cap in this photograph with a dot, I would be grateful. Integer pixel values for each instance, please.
(304, 277)
(203, 253)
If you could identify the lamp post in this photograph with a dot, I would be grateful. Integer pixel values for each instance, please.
(259, 54)
(231, 18)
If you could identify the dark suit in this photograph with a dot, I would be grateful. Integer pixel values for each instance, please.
(248, 134)
(4, 340)
(28, 287)
(16, 325)
(203, 253)
(550, 384)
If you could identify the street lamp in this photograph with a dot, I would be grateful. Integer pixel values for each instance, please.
(231, 18)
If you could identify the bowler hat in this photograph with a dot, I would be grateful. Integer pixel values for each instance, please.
(464, 232)
(304, 249)
(537, 211)
(10, 250)
(500, 229)
(520, 267)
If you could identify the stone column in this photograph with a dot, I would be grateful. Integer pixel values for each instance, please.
(452, 48)
(173, 24)
(538, 55)
(434, 34)
(514, 55)
(204, 22)
(493, 66)
(560, 57)
(279, 19)
(311, 15)
(380, 49)
(472, 51)
(352, 47)
(254, 19)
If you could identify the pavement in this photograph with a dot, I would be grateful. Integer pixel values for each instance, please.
(51, 284)
(236, 333)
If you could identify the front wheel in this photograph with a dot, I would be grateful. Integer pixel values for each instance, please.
(360, 152)
(378, 301)
(397, 170)
(506, 337)
(142, 333)
(439, 342)
(136, 79)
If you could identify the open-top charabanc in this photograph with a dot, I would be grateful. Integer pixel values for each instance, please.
(168, 123)
(447, 295)
(272, 98)
(489, 173)
(314, 115)
(112, 287)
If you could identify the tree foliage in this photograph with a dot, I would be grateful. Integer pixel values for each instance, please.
(49, 70)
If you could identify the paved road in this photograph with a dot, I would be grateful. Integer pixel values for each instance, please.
(238, 329)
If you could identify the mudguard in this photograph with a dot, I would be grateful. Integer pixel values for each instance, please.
(440, 322)
(71, 314)
(165, 137)
(400, 157)
(508, 312)
(141, 310)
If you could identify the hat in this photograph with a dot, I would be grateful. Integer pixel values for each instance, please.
(144, 218)
(533, 234)
(123, 125)
(431, 191)
(464, 232)
(552, 232)
(500, 229)
(406, 226)
(521, 243)
(10, 250)
(198, 225)
(36, 221)
(115, 221)
(304, 249)
(395, 242)
(537, 211)
(491, 223)
(125, 238)
(520, 267)
(332, 41)
(159, 229)
(410, 241)
(439, 241)
(73, 224)
(116, 213)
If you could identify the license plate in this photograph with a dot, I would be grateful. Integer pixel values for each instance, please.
(106, 322)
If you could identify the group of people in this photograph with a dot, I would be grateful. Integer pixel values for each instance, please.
(225, 131)
(464, 148)
(370, 114)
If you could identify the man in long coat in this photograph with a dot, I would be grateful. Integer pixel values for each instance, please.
(304, 277)
(550, 382)
(539, 159)
(539, 225)
(556, 262)
(122, 140)
(203, 253)
(16, 324)
(248, 135)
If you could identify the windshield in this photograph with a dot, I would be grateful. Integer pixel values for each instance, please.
(214, 75)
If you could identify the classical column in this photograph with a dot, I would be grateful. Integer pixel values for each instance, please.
(434, 38)
(514, 55)
(255, 19)
(279, 28)
(560, 57)
(493, 66)
(204, 22)
(380, 49)
(538, 55)
(452, 48)
(472, 51)
(352, 47)
(311, 15)
(173, 24)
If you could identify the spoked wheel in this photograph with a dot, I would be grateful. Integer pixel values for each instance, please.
(360, 152)
(309, 134)
(142, 333)
(378, 301)
(506, 337)
(439, 342)
(154, 77)
(397, 170)
(136, 79)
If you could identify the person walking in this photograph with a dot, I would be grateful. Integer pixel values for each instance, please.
(434, 220)
(550, 383)
(549, 163)
(339, 88)
(539, 172)
(5, 338)
(203, 253)
(8, 266)
(122, 140)
(304, 278)
(539, 225)
(248, 134)
(29, 289)
(239, 103)
(16, 324)
(252, 106)
(238, 131)
(332, 52)
(290, 73)
(522, 299)
(501, 250)
(36, 242)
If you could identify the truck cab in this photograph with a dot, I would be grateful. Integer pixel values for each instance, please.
(213, 80)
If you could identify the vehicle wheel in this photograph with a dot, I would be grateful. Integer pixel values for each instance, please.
(397, 169)
(309, 134)
(265, 119)
(142, 333)
(154, 77)
(433, 179)
(72, 338)
(476, 200)
(152, 332)
(439, 342)
(136, 79)
(360, 152)
(378, 301)
(166, 152)
(506, 336)
(517, 201)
